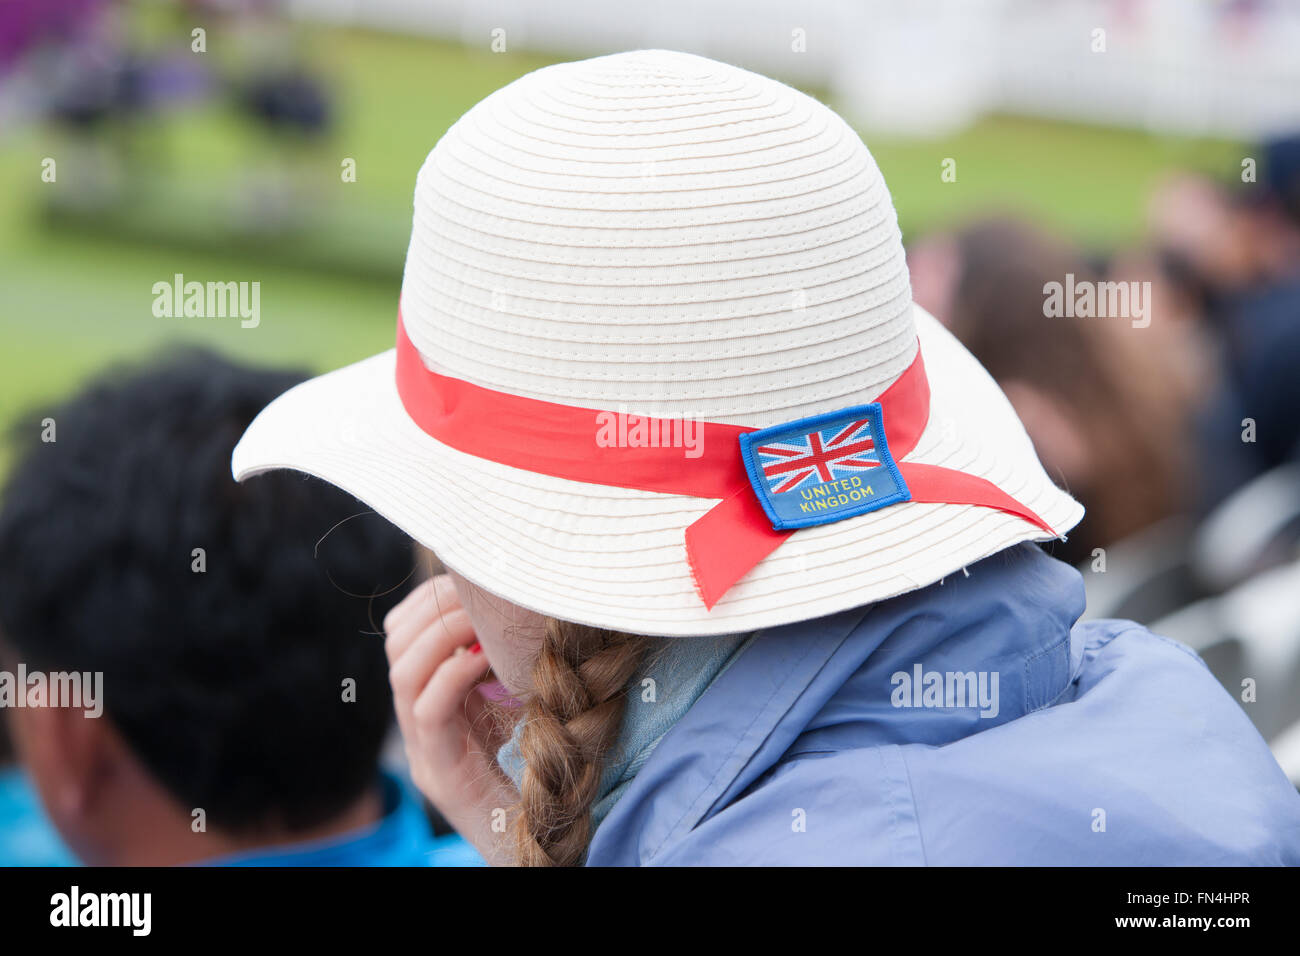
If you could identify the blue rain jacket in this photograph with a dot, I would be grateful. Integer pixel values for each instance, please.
(847, 740)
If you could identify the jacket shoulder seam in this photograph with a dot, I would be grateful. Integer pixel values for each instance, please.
(1130, 627)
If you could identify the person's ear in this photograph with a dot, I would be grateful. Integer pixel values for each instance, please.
(70, 758)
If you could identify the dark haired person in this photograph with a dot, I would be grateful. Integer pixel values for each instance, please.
(244, 692)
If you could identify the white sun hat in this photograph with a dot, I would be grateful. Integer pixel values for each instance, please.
(658, 237)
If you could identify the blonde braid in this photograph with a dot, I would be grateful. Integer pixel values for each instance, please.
(571, 720)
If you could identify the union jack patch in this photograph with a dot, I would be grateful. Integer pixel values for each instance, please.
(823, 469)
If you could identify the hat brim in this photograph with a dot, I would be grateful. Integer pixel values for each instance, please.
(615, 557)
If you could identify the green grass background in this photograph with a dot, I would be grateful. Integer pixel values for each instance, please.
(77, 297)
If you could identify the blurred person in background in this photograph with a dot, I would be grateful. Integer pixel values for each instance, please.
(1101, 401)
(1237, 254)
(245, 696)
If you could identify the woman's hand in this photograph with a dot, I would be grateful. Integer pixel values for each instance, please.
(435, 666)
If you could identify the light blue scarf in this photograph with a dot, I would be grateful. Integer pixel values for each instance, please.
(676, 677)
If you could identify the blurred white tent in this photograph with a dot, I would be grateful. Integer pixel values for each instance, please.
(925, 67)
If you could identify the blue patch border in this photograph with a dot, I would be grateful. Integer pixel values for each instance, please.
(874, 414)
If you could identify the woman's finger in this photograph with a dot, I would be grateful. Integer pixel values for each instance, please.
(410, 672)
(416, 667)
(416, 612)
(404, 607)
(443, 698)
(427, 601)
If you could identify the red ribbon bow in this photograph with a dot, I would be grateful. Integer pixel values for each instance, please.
(728, 540)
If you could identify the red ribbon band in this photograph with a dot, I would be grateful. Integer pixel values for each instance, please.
(726, 542)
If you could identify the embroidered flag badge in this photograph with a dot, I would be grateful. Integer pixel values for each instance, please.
(823, 469)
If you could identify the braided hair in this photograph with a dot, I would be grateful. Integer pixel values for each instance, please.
(571, 719)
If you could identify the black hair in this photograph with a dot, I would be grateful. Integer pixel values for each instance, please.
(228, 683)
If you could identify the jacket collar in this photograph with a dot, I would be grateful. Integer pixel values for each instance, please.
(801, 687)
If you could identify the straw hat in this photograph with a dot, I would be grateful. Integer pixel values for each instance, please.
(658, 236)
